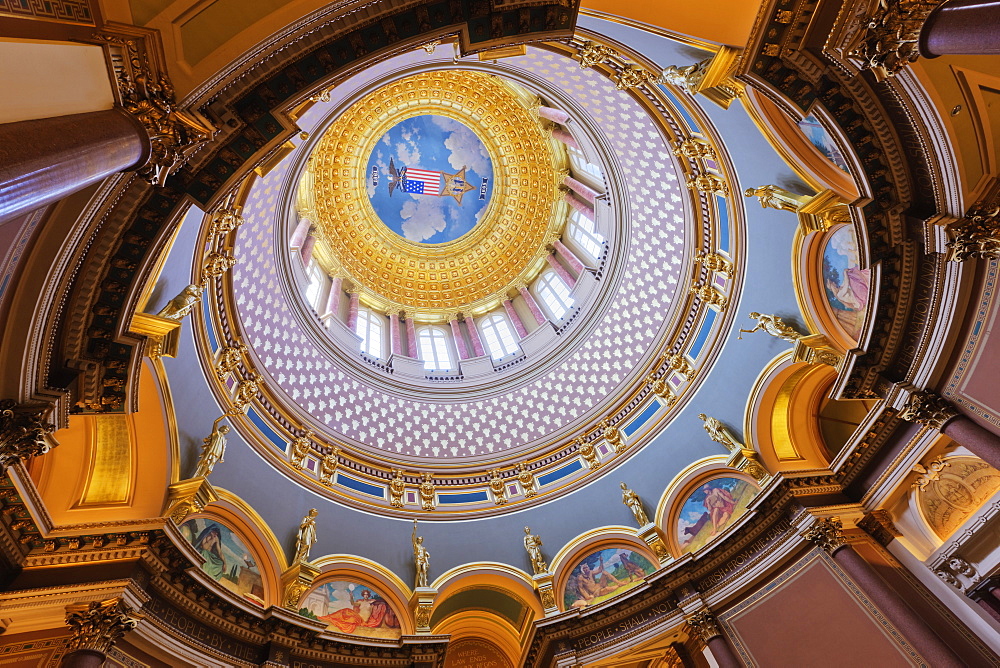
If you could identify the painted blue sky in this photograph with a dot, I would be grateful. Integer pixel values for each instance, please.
(434, 143)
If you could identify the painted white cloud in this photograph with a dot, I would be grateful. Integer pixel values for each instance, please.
(408, 153)
(423, 218)
(466, 149)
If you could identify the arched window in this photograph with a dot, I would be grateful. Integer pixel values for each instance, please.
(583, 231)
(554, 294)
(369, 327)
(580, 162)
(317, 281)
(498, 335)
(433, 345)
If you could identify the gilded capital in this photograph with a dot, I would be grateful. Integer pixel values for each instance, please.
(704, 624)
(98, 625)
(23, 431)
(977, 235)
(827, 534)
(892, 34)
(929, 409)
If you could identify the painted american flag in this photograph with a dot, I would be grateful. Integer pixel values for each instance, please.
(422, 182)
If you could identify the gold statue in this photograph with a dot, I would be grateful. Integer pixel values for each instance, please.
(527, 481)
(216, 264)
(181, 305)
(498, 488)
(708, 183)
(588, 453)
(612, 435)
(246, 391)
(306, 538)
(693, 147)
(212, 450)
(421, 557)
(396, 488)
(718, 433)
(686, 78)
(328, 466)
(715, 262)
(533, 544)
(632, 500)
(301, 446)
(229, 360)
(773, 197)
(773, 325)
(427, 500)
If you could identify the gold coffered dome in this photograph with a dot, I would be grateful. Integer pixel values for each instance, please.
(437, 192)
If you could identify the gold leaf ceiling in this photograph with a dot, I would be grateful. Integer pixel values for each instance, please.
(471, 273)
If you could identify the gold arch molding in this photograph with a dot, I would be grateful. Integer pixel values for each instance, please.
(508, 244)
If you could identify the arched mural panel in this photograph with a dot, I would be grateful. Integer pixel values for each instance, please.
(845, 284)
(354, 607)
(950, 489)
(228, 560)
(604, 573)
(708, 508)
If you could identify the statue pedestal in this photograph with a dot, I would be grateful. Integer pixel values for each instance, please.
(650, 533)
(295, 581)
(543, 586)
(188, 496)
(815, 349)
(422, 603)
(821, 211)
(163, 334)
(746, 460)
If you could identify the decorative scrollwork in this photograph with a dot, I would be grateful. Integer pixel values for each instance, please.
(591, 54)
(631, 76)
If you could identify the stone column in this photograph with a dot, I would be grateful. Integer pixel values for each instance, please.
(568, 255)
(95, 627)
(961, 27)
(395, 343)
(477, 341)
(532, 304)
(703, 623)
(929, 409)
(352, 310)
(46, 159)
(561, 271)
(456, 333)
(515, 319)
(586, 192)
(333, 299)
(552, 114)
(586, 210)
(565, 137)
(411, 336)
(300, 233)
(307, 247)
(827, 534)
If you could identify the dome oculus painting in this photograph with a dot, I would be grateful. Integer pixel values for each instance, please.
(602, 574)
(429, 179)
(352, 608)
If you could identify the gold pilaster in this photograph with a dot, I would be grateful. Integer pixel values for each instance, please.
(546, 593)
(422, 605)
(815, 349)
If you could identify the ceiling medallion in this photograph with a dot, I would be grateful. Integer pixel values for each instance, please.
(463, 213)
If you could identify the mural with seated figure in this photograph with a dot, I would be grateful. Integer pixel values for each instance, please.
(228, 560)
(352, 608)
(603, 574)
(711, 509)
(845, 282)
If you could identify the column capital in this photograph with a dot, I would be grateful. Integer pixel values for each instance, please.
(929, 409)
(827, 533)
(98, 625)
(23, 431)
(703, 623)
